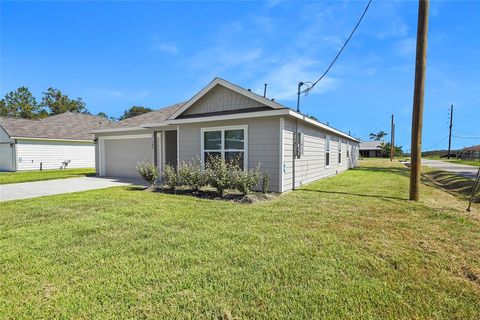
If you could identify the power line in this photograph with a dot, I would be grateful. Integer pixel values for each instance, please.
(383, 123)
(460, 137)
(307, 91)
(436, 144)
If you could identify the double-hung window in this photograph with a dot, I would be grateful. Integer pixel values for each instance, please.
(229, 143)
(348, 150)
(327, 151)
(339, 151)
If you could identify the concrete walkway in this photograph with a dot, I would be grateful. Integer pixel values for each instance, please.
(28, 190)
(460, 169)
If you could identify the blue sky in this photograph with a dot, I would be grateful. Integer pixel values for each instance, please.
(118, 54)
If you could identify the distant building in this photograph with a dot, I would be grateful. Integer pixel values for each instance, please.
(371, 149)
(471, 153)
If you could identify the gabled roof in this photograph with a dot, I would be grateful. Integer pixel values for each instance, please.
(67, 126)
(472, 148)
(152, 116)
(371, 145)
(219, 81)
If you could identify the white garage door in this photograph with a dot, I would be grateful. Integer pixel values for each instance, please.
(123, 155)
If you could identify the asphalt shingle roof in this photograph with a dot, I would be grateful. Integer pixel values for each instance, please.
(152, 116)
(370, 145)
(68, 125)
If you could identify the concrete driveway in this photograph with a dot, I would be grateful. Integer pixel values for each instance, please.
(460, 169)
(28, 190)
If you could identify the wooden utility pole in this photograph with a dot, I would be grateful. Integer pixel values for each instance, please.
(392, 140)
(418, 99)
(450, 132)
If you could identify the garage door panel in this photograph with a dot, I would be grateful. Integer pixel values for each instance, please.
(123, 155)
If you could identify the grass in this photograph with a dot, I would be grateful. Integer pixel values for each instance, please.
(453, 183)
(350, 246)
(459, 161)
(30, 176)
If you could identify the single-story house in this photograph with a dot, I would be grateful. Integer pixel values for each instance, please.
(226, 120)
(470, 153)
(27, 144)
(371, 149)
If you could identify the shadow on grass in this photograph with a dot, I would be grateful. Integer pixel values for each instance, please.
(451, 182)
(230, 196)
(400, 171)
(355, 194)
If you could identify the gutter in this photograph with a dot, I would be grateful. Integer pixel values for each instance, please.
(49, 139)
(270, 113)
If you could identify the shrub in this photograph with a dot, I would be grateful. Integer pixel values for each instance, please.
(170, 175)
(245, 180)
(218, 174)
(265, 183)
(148, 171)
(192, 175)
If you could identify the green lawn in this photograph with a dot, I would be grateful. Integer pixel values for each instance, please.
(459, 161)
(29, 176)
(350, 246)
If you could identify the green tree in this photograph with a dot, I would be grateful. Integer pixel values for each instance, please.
(103, 114)
(58, 103)
(134, 111)
(386, 150)
(378, 136)
(20, 103)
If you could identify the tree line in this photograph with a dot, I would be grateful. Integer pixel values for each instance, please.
(21, 103)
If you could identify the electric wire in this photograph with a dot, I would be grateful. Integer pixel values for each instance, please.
(307, 91)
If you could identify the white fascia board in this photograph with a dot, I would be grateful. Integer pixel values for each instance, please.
(237, 116)
(117, 130)
(258, 114)
(321, 125)
(48, 139)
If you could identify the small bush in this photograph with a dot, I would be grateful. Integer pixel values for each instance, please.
(245, 180)
(148, 171)
(265, 183)
(171, 178)
(218, 174)
(192, 175)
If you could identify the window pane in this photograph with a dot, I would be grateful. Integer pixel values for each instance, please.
(327, 159)
(209, 155)
(234, 139)
(339, 158)
(212, 140)
(235, 158)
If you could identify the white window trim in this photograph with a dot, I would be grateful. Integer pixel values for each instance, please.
(222, 150)
(328, 142)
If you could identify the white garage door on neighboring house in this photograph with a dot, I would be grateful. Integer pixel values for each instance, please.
(121, 155)
(50, 154)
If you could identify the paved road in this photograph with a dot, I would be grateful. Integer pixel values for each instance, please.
(27, 190)
(460, 169)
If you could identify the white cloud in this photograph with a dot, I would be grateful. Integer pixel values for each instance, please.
(283, 80)
(406, 47)
(169, 48)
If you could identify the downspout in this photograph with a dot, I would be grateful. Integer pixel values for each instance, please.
(295, 136)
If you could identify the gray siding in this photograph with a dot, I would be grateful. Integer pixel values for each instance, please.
(263, 143)
(220, 98)
(311, 166)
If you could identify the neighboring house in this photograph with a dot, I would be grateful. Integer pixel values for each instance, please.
(470, 153)
(371, 149)
(27, 144)
(226, 120)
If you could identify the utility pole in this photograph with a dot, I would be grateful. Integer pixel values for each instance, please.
(450, 132)
(418, 99)
(392, 140)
